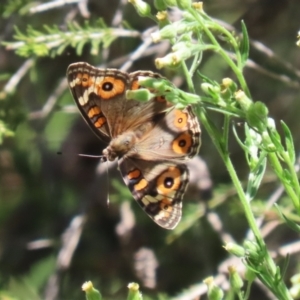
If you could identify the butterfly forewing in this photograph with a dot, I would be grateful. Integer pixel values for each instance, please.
(96, 93)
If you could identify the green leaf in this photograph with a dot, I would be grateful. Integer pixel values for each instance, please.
(4, 131)
(11, 7)
(18, 34)
(276, 140)
(95, 46)
(294, 226)
(289, 142)
(285, 266)
(61, 48)
(108, 39)
(287, 177)
(255, 178)
(238, 139)
(79, 47)
(244, 46)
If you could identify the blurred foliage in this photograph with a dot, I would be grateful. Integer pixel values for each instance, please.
(41, 192)
(52, 41)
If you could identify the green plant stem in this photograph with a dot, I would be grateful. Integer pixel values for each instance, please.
(248, 290)
(269, 263)
(226, 131)
(235, 179)
(240, 295)
(188, 78)
(237, 71)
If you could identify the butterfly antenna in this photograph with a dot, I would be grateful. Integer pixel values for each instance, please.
(107, 172)
(102, 158)
(90, 156)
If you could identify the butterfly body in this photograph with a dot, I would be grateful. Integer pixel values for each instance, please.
(151, 140)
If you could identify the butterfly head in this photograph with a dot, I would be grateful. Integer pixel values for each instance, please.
(120, 145)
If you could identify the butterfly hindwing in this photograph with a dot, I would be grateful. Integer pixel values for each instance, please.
(158, 188)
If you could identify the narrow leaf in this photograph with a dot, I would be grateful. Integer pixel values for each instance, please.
(255, 178)
(294, 226)
(79, 47)
(285, 266)
(61, 48)
(276, 139)
(289, 142)
(238, 139)
(244, 45)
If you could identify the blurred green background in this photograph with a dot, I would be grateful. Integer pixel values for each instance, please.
(57, 229)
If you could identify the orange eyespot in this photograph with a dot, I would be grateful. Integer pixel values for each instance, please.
(110, 87)
(182, 143)
(169, 181)
(180, 119)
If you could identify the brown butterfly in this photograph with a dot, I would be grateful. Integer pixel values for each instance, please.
(151, 140)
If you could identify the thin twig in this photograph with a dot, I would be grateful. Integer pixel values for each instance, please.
(70, 239)
(50, 102)
(138, 53)
(51, 5)
(118, 17)
(11, 85)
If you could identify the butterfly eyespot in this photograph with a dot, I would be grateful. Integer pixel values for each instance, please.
(182, 143)
(110, 87)
(181, 119)
(168, 182)
(107, 86)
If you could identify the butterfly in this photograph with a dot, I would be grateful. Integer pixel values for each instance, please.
(152, 140)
